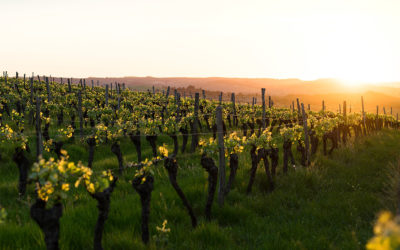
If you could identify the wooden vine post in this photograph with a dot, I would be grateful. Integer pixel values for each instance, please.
(195, 136)
(69, 85)
(31, 112)
(119, 101)
(80, 113)
(221, 149)
(31, 86)
(178, 108)
(391, 114)
(107, 95)
(39, 144)
(298, 111)
(234, 109)
(269, 102)
(377, 117)
(345, 121)
(16, 81)
(306, 138)
(363, 115)
(48, 90)
(263, 107)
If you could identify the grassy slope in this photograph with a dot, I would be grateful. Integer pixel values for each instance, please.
(331, 205)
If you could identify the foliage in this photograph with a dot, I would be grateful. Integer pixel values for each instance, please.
(53, 178)
(3, 215)
(94, 182)
(208, 146)
(64, 134)
(294, 133)
(162, 236)
(233, 144)
(386, 233)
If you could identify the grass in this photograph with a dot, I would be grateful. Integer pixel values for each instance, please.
(330, 205)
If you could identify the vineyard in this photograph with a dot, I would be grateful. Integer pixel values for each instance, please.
(86, 166)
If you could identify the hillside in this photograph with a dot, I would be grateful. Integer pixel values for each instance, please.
(307, 210)
(253, 85)
(283, 92)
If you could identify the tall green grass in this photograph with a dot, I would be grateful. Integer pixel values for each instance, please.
(330, 205)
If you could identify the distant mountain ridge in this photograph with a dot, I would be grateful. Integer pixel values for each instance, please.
(275, 87)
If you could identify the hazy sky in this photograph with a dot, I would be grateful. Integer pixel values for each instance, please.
(308, 39)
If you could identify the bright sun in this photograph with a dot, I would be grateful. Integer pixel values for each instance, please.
(345, 48)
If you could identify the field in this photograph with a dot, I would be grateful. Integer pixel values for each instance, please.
(331, 202)
(331, 205)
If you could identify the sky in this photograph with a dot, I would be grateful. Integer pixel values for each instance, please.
(354, 40)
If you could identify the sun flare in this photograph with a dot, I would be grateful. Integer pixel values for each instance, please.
(344, 48)
(355, 41)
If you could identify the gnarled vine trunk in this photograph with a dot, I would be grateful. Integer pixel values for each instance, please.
(116, 149)
(176, 146)
(264, 153)
(103, 205)
(58, 147)
(144, 190)
(185, 137)
(92, 144)
(302, 149)
(135, 138)
(287, 155)
(48, 220)
(152, 140)
(233, 165)
(172, 167)
(23, 166)
(209, 165)
(254, 162)
(274, 156)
